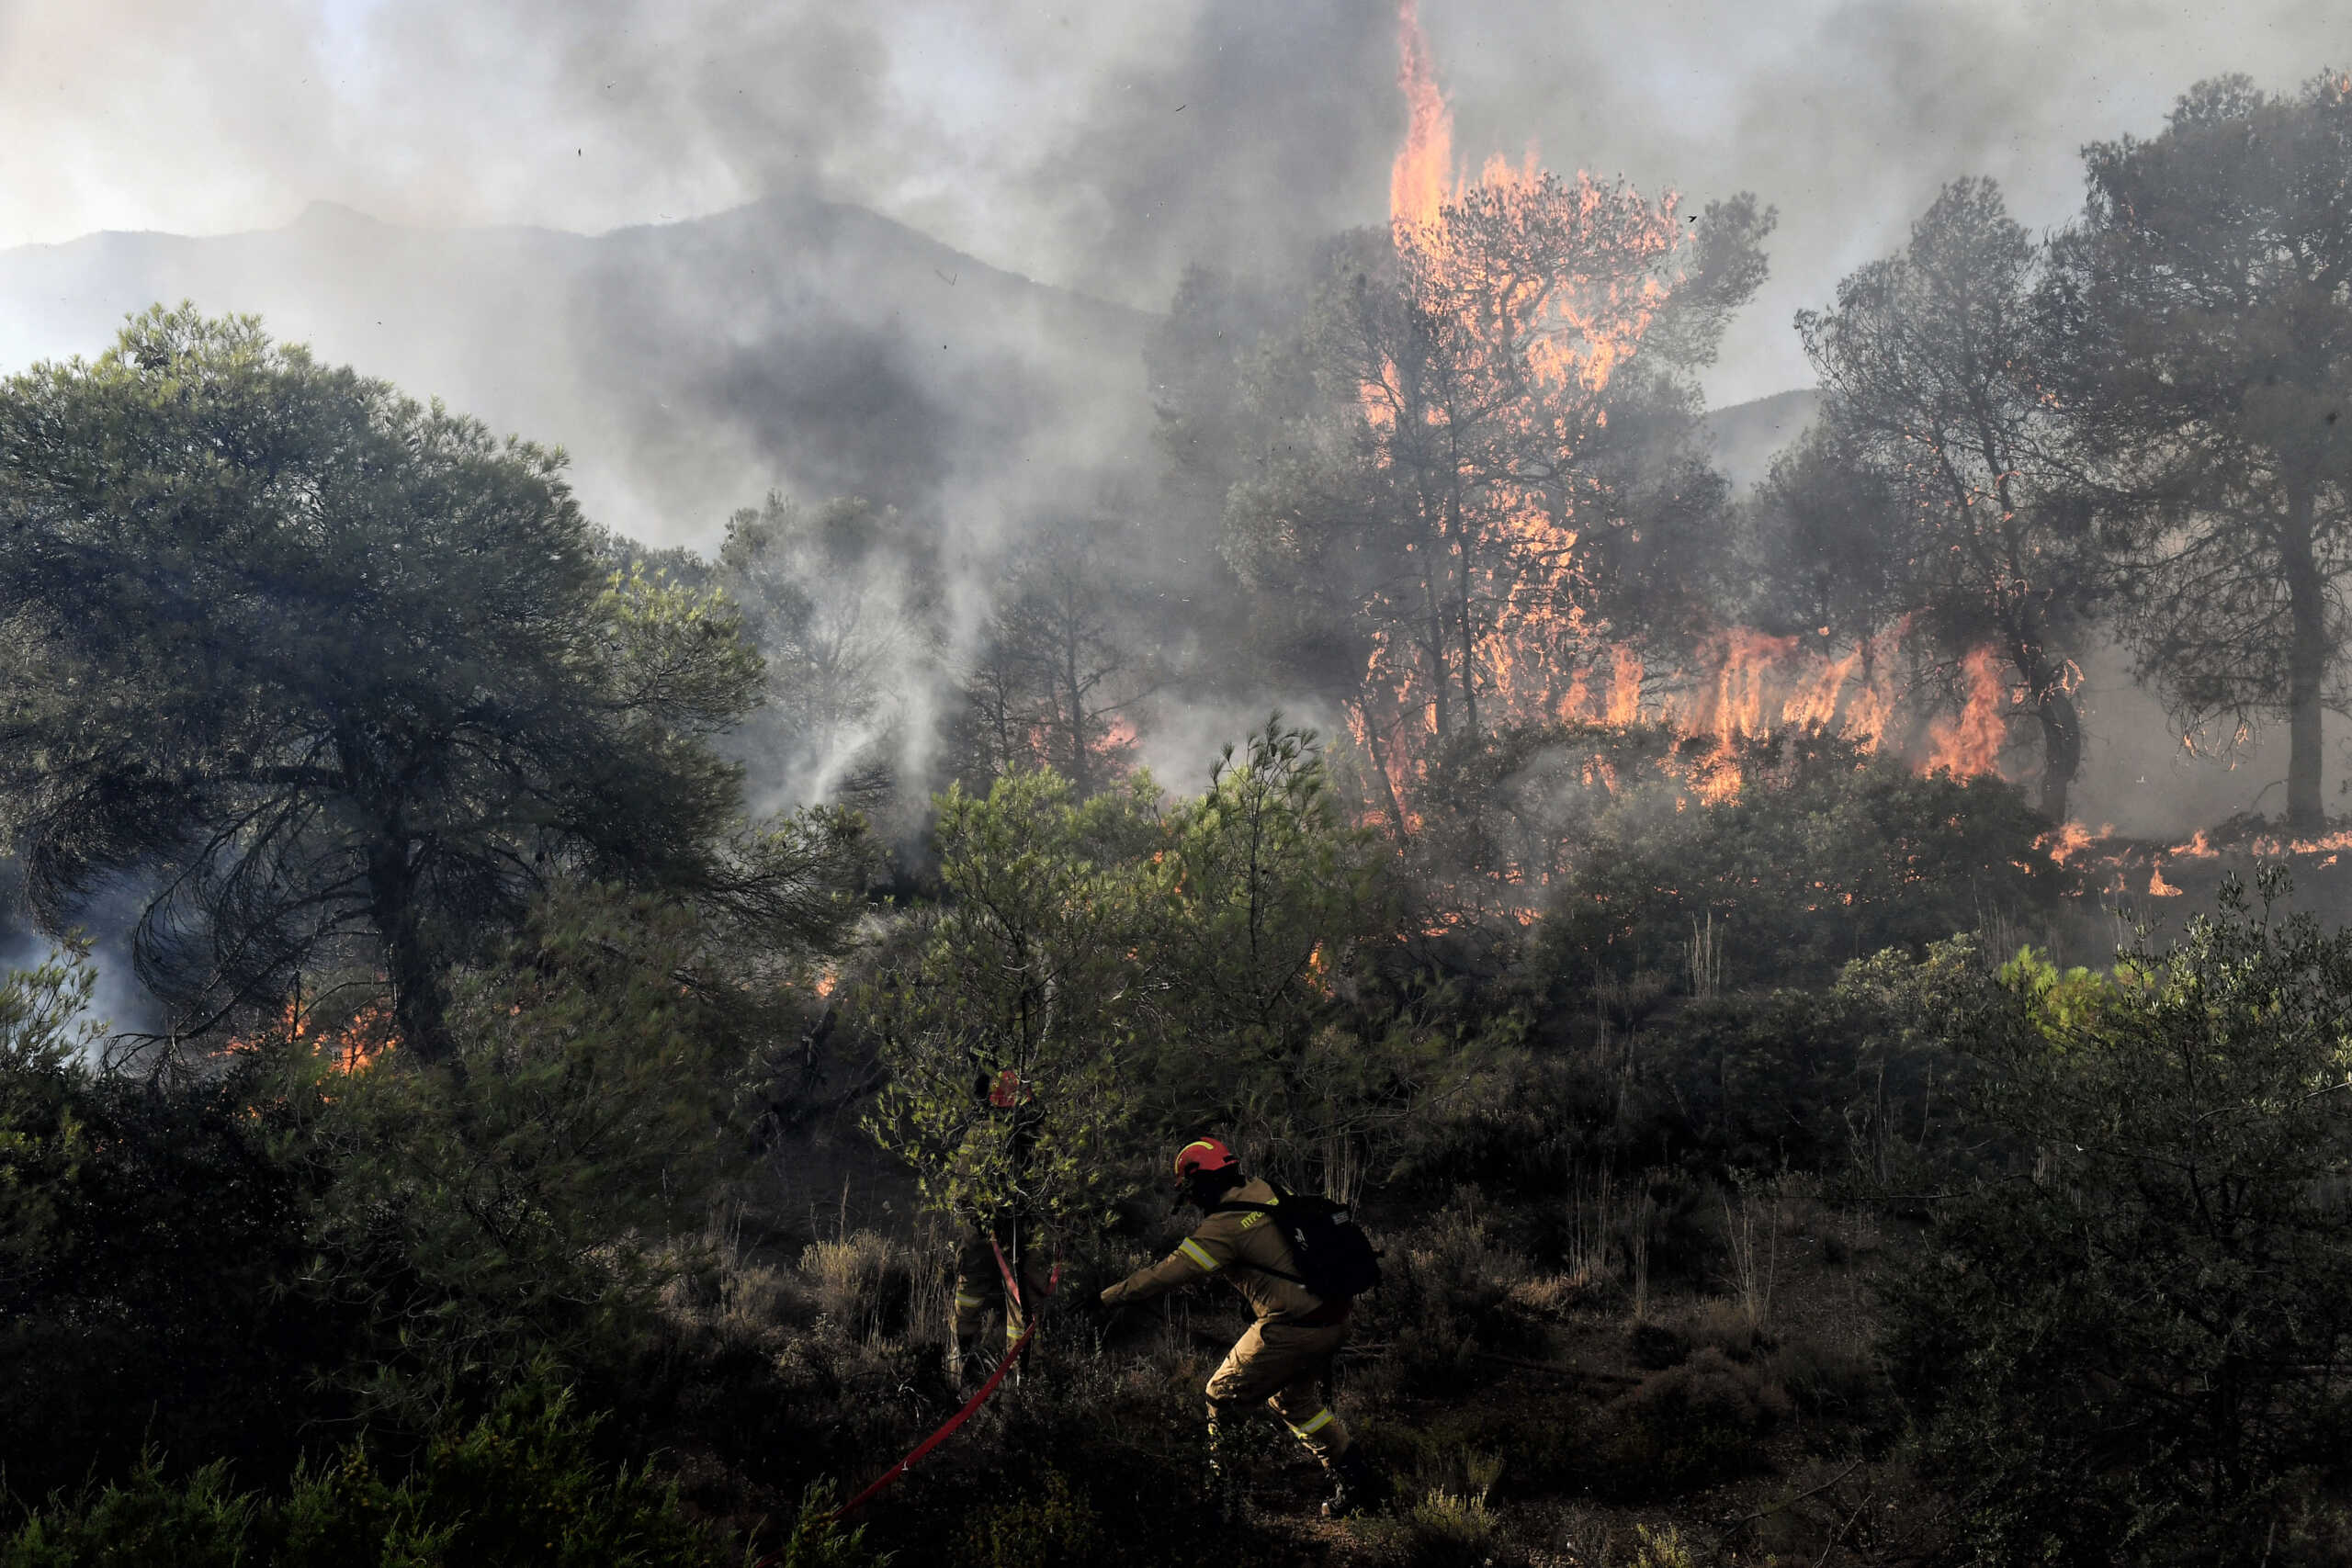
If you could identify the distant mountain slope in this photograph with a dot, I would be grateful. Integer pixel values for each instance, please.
(687, 367)
(1747, 436)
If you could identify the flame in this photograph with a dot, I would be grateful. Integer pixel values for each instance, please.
(1318, 972)
(1518, 354)
(363, 1040)
(1971, 744)
(1498, 625)
(2114, 861)
(2330, 843)
(2066, 840)
(1625, 687)
(1815, 705)
(1420, 181)
(1044, 745)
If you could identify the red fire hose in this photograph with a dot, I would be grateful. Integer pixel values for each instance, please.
(1012, 1354)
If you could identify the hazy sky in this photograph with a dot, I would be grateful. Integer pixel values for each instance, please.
(1097, 145)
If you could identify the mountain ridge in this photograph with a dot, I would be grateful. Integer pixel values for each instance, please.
(688, 367)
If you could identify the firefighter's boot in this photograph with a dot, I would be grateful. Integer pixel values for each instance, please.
(1355, 1486)
(966, 1366)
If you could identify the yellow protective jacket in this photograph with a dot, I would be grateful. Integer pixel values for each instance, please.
(1247, 1249)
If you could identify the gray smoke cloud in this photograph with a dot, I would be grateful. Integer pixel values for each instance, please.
(1098, 147)
(807, 342)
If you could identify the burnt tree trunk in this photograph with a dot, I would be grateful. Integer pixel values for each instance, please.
(2062, 750)
(2307, 659)
(419, 1008)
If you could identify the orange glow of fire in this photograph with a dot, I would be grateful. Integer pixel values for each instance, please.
(1421, 180)
(2068, 840)
(2330, 843)
(1529, 352)
(363, 1040)
(1543, 350)
(1971, 744)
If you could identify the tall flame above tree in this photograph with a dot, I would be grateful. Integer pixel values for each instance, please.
(1492, 364)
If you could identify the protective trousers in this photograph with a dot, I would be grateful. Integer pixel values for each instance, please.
(1285, 1364)
(980, 1288)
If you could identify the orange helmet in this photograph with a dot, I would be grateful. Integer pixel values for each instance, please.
(1200, 1155)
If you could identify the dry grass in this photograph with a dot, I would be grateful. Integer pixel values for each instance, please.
(864, 1285)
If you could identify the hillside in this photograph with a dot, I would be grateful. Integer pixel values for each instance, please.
(1748, 435)
(688, 367)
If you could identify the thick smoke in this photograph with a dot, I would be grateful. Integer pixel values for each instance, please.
(1268, 128)
(906, 249)
(1095, 147)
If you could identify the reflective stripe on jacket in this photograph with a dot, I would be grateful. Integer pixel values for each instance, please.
(1247, 1247)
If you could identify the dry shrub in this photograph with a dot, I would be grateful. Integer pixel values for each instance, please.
(1686, 1427)
(758, 1296)
(1447, 1529)
(1721, 1326)
(1725, 1327)
(1552, 1297)
(1824, 1380)
(1447, 1292)
(864, 1284)
(1450, 1523)
(1661, 1547)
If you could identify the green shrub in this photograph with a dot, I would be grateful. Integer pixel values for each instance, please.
(519, 1487)
(817, 1540)
(1825, 854)
(1042, 1529)
(201, 1522)
(2121, 1336)
(152, 1235)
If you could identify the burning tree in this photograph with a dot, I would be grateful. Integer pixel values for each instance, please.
(1058, 675)
(1939, 397)
(1446, 479)
(1828, 557)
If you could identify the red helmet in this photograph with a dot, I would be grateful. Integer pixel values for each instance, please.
(1202, 1153)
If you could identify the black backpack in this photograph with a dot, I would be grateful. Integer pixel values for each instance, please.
(1336, 1259)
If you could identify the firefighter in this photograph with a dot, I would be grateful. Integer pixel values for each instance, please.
(979, 1282)
(1284, 1360)
(979, 1290)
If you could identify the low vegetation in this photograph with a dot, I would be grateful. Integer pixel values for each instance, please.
(522, 1153)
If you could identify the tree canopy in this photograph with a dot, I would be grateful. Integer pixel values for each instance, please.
(1937, 389)
(333, 678)
(2202, 312)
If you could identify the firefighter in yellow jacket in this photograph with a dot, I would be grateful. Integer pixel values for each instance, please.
(1286, 1357)
(986, 1237)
